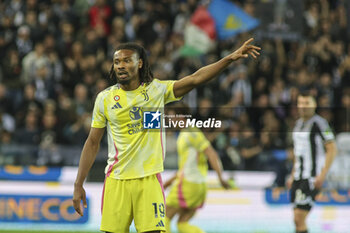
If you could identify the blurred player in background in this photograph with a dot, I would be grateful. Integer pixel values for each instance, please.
(314, 152)
(133, 187)
(189, 190)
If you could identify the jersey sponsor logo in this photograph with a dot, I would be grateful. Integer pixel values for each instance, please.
(117, 105)
(116, 98)
(151, 120)
(135, 113)
(160, 224)
(145, 95)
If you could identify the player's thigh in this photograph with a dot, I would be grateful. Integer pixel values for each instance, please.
(192, 195)
(300, 214)
(148, 204)
(117, 210)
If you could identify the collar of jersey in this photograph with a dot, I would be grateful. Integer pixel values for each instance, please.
(132, 91)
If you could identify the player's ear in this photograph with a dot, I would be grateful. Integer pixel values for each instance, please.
(140, 63)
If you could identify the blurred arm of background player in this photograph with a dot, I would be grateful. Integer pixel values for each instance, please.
(208, 72)
(87, 158)
(170, 181)
(331, 151)
(215, 164)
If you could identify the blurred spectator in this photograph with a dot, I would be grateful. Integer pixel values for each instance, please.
(63, 10)
(242, 85)
(249, 150)
(48, 153)
(28, 103)
(63, 51)
(32, 61)
(12, 76)
(23, 42)
(29, 134)
(5, 102)
(77, 133)
(66, 112)
(205, 110)
(99, 16)
(81, 102)
(7, 122)
(65, 38)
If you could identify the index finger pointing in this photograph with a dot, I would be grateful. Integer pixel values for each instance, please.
(248, 41)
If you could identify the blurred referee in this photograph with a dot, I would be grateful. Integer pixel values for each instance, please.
(314, 152)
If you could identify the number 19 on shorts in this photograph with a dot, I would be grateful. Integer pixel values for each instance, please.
(158, 207)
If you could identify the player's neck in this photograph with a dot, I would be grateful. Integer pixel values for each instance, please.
(306, 118)
(132, 85)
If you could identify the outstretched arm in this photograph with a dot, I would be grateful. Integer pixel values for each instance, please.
(206, 73)
(88, 156)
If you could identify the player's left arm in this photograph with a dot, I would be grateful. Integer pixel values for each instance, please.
(207, 73)
(331, 152)
(215, 163)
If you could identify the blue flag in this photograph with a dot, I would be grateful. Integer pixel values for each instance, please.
(230, 20)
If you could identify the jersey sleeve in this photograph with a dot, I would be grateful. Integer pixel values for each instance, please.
(98, 117)
(325, 130)
(169, 92)
(198, 140)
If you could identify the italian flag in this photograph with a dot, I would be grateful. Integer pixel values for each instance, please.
(200, 33)
(220, 20)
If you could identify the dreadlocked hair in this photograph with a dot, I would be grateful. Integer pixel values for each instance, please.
(146, 75)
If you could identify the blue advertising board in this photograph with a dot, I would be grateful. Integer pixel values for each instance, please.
(278, 196)
(40, 209)
(31, 173)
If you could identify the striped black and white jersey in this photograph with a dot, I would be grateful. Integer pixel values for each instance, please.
(309, 138)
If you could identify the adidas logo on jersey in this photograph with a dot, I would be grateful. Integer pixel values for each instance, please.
(160, 224)
(117, 105)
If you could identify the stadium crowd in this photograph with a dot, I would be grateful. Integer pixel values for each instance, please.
(56, 56)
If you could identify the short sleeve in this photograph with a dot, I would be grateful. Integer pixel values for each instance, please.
(198, 140)
(325, 130)
(169, 92)
(98, 117)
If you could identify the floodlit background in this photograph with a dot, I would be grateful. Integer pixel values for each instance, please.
(56, 56)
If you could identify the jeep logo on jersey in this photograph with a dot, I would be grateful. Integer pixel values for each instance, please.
(135, 113)
(151, 120)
